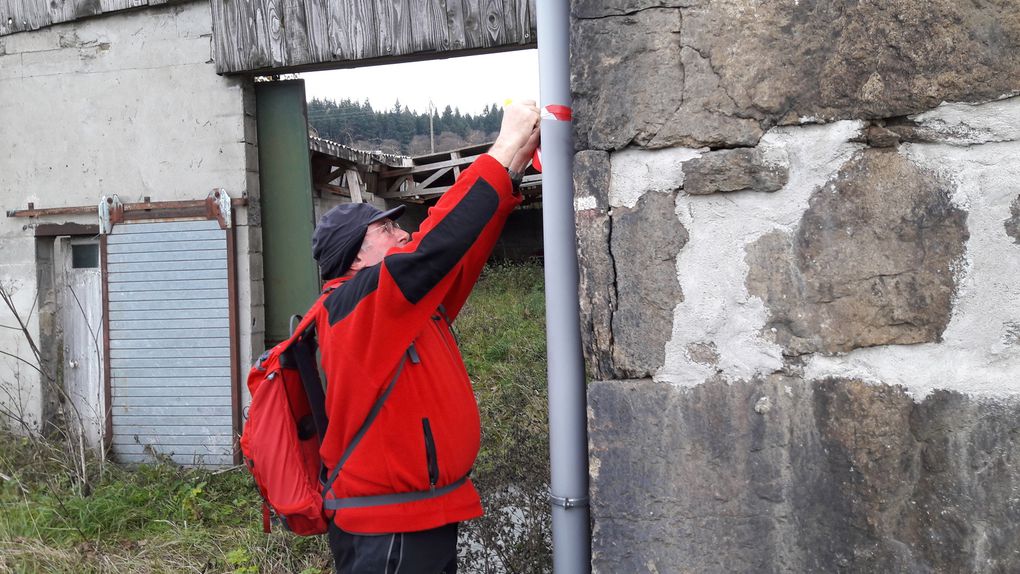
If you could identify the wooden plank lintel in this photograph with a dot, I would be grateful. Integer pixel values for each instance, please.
(57, 229)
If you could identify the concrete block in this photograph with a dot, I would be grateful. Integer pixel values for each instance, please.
(11, 68)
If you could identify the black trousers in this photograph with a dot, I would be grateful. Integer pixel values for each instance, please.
(426, 552)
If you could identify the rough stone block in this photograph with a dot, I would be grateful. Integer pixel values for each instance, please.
(879, 136)
(602, 8)
(744, 169)
(597, 281)
(705, 353)
(873, 260)
(708, 116)
(626, 77)
(789, 475)
(655, 74)
(1012, 224)
(644, 243)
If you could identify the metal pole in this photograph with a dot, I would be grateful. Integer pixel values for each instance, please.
(432, 135)
(568, 436)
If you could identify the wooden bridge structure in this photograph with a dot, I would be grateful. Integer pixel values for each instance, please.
(341, 170)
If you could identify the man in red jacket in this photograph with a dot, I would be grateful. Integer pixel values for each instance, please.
(403, 427)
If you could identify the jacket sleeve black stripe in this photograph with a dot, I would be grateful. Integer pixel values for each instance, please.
(417, 273)
(345, 298)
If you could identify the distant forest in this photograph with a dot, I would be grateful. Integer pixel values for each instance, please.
(400, 130)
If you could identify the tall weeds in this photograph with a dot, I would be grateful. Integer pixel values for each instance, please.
(70, 427)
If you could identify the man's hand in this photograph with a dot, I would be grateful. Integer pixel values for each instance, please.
(520, 161)
(519, 128)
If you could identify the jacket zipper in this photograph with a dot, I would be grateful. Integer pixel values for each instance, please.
(430, 454)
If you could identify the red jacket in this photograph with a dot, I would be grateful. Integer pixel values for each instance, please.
(364, 328)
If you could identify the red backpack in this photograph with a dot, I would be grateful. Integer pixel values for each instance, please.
(283, 432)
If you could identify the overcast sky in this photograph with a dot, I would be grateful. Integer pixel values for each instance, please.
(468, 82)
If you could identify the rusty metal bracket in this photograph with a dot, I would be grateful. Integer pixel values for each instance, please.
(111, 211)
(218, 206)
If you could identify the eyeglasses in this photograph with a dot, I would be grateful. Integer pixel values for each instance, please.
(388, 226)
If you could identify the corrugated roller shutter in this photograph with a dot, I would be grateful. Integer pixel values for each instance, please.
(170, 342)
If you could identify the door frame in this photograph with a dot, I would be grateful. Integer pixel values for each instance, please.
(213, 208)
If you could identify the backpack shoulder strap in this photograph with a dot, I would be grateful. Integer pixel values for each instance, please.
(300, 349)
(413, 355)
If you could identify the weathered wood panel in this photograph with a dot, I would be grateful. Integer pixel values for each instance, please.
(290, 35)
(316, 27)
(23, 15)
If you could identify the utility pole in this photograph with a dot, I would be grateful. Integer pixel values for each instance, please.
(432, 134)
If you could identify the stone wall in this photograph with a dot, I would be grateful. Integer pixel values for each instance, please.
(129, 104)
(799, 235)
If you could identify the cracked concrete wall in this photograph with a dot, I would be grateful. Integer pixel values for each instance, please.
(126, 104)
(839, 386)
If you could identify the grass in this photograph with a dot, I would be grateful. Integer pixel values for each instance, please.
(502, 338)
(163, 518)
(152, 518)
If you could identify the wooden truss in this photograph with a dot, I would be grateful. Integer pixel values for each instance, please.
(341, 170)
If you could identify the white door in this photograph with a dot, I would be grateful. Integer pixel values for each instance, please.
(80, 302)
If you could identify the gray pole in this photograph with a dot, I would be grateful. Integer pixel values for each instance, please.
(432, 135)
(568, 436)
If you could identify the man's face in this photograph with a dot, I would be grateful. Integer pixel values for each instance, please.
(380, 237)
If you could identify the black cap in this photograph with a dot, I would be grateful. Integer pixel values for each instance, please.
(338, 236)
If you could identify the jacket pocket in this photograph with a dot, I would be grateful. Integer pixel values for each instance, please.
(430, 453)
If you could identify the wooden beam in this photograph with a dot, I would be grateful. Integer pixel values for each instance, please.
(57, 229)
(24, 15)
(323, 177)
(274, 36)
(334, 189)
(432, 178)
(455, 156)
(531, 186)
(354, 185)
(457, 161)
(392, 190)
